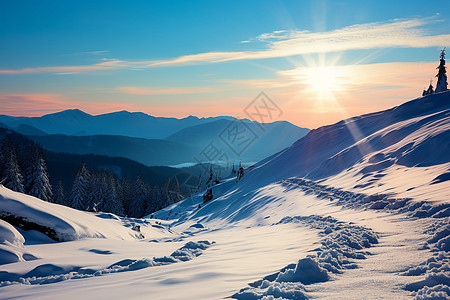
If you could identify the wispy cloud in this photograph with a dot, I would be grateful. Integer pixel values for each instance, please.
(398, 33)
(135, 90)
(97, 52)
(104, 65)
(408, 33)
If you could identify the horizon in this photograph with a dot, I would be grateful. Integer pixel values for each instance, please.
(198, 117)
(315, 65)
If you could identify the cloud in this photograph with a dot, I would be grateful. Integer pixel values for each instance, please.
(135, 90)
(98, 52)
(106, 64)
(407, 33)
(397, 33)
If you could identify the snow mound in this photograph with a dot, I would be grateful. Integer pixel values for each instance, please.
(341, 245)
(11, 245)
(307, 271)
(59, 222)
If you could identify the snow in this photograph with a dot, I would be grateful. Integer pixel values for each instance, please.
(358, 209)
(12, 247)
(65, 223)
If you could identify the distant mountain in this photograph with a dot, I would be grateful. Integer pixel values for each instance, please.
(186, 146)
(24, 129)
(146, 151)
(77, 122)
(29, 130)
(267, 139)
(155, 141)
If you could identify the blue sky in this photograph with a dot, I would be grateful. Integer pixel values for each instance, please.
(179, 58)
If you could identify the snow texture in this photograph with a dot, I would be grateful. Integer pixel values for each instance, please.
(12, 247)
(341, 245)
(49, 273)
(62, 223)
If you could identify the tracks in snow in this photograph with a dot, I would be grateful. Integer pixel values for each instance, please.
(342, 239)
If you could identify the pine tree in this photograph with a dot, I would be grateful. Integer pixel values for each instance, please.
(159, 199)
(200, 184)
(80, 189)
(441, 85)
(140, 198)
(59, 195)
(125, 194)
(174, 192)
(38, 182)
(211, 177)
(111, 202)
(11, 176)
(240, 173)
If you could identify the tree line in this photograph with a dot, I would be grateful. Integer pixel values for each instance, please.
(23, 168)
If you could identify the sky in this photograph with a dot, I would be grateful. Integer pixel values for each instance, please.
(317, 62)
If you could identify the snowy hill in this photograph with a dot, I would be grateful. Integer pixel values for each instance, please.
(52, 222)
(355, 210)
(369, 152)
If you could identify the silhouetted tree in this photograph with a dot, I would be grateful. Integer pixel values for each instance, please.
(442, 76)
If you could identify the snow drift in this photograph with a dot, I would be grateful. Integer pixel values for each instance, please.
(59, 222)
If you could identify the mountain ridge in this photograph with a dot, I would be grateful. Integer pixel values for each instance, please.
(133, 124)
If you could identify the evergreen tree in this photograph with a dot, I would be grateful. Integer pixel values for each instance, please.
(173, 192)
(442, 76)
(200, 184)
(59, 195)
(38, 182)
(211, 177)
(140, 198)
(111, 202)
(126, 193)
(80, 189)
(240, 173)
(11, 176)
(159, 199)
(97, 192)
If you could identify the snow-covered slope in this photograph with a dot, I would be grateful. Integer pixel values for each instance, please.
(59, 222)
(395, 161)
(404, 150)
(354, 210)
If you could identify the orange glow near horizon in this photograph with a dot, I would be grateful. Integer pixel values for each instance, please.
(309, 96)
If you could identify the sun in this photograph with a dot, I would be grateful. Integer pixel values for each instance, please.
(326, 79)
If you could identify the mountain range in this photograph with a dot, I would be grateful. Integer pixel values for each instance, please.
(156, 141)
